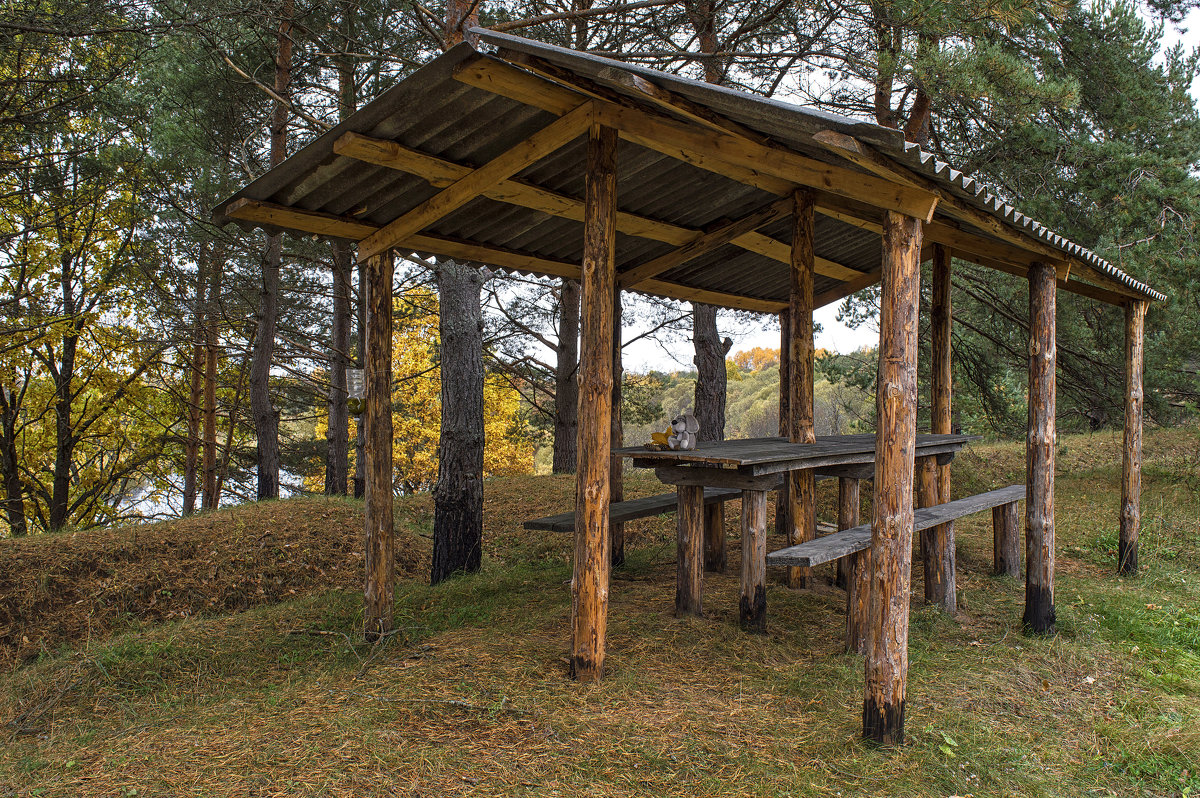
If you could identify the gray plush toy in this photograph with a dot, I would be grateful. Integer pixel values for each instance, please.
(684, 431)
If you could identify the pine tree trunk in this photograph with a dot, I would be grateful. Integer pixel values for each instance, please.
(64, 441)
(710, 373)
(209, 495)
(360, 439)
(566, 381)
(14, 497)
(266, 417)
(458, 497)
(195, 372)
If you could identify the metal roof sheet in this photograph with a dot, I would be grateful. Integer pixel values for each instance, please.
(432, 112)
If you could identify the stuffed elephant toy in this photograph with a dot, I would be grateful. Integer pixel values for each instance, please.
(684, 431)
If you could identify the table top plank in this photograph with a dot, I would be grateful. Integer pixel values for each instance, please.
(768, 455)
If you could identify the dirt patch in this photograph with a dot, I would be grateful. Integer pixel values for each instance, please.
(67, 589)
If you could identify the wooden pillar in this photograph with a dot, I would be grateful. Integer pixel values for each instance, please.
(1039, 454)
(689, 571)
(783, 506)
(752, 606)
(1131, 470)
(849, 500)
(938, 542)
(1007, 543)
(853, 568)
(715, 557)
(895, 445)
(801, 485)
(616, 474)
(589, 608)
(379, 593)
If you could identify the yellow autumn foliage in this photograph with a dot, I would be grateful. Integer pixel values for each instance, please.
(417, 405)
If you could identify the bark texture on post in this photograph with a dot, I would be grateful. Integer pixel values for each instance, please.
(1006, 541)
(752, 605)
(689, 581)
(783, 505)
(1131, 462)
(858, 601)
(802, 498)
(458, 495)
(709, 396)
(589, 608)
(849, 500)
(715, 557)
(895, 446)
(1039, 453)
(380, 544)
(360, 440)
(337, 458)
(616, 474)
(941, 590)
(566, 380)
(937, 550)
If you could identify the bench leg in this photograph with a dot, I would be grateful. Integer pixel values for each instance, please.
(714, 537)
(752, 608)
(689, 582)
(937, 543)
(1007, 540)
(858, 597)
(848, 509)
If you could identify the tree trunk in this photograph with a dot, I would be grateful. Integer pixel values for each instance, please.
(616, 474)
(14, 495)
(210, 497)
(360, 438)
(1131, 461)
(458, 497)
(195, 377)
(709, 407)
(592, 563)
(1039, 454)
(566, 380)
(895, 447)
(266, 417)
(337, 462)
(64, 439)
(783, 504)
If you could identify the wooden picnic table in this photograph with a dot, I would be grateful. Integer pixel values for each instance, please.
(753, 465)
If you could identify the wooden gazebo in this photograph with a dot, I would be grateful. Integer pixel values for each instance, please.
(545, 161)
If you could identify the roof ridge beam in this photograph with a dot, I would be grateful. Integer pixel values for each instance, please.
(557, 134)
(772, 168)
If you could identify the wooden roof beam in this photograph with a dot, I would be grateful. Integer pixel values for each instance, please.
(550, 138)
(442, 173)
(772, 168)
(325, 224)
(705, 243)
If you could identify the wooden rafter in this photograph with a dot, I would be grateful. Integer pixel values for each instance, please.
(326, 224)
(777, 169)
(714, 239)
(442, 173)
(550, 138)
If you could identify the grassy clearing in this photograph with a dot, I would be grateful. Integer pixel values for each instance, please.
(471, 697)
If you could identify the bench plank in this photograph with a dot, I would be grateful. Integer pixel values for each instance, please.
(632, 509)
(840, 544)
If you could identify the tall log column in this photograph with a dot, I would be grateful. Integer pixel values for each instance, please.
(377, 419)
(783, 519)
(1131, 471)
(801, 485)
(895, 446)
(589, 608)
(1039, 454)
(854, 568)
(616, 474)
(938, 548)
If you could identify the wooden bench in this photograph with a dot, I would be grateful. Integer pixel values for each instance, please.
(855, 543)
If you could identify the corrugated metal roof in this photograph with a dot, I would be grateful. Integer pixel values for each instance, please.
(433, 113)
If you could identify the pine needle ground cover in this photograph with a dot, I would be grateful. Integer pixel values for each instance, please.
(277, 696)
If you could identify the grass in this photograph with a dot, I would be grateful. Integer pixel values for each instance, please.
(471, 696)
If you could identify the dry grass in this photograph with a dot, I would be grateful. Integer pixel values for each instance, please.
(471, 698)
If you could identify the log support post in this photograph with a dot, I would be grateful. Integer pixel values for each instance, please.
(801, 491)
(783, 505)
(849, 499)
(752, 606)
(616, 474)
(689, 571)
(379, 592)
(892, 516)
(589, 583)
(715, 557)
(1007, 546)
(937, 544)
(1131, 463)
(853, 569)
(1039, 453)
